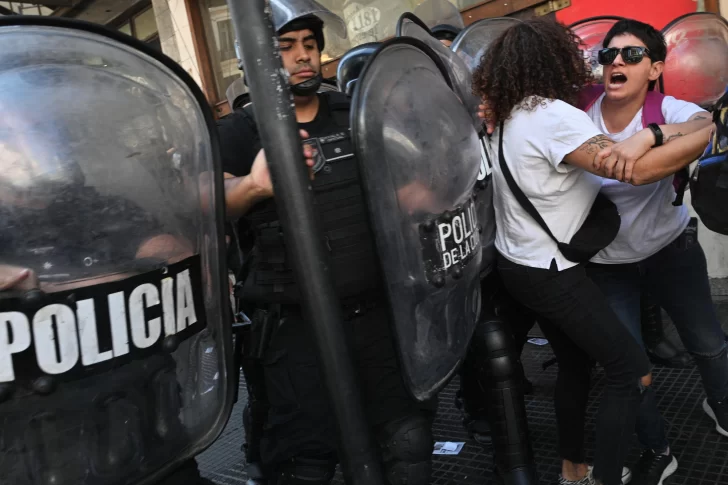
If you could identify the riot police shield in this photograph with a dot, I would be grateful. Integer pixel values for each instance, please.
(115, 358)
(473, 42)
(592, 32)
(419, 159)
(237, 94)
(696, 68)
(439, 12)
(411, 26)
(351, 65)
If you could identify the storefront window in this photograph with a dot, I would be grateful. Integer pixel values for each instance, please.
(143, 26)
(10, 8)
(126, 28)
(221, 42)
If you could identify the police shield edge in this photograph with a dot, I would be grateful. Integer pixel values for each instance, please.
(409, 25)
(419, 159)
(439, 12)
(272, 102)
(696, 68)
(592, 32)
(115, 362)
(473, 42)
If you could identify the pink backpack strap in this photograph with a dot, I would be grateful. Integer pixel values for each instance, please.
(589, 95)
(652, 110)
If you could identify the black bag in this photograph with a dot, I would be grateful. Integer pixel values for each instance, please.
(709, 182)
(596, 233)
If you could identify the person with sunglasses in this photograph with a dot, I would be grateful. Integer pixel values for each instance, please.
(651, 249)
(552, 162)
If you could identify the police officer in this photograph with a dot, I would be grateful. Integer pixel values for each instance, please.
(299, 439)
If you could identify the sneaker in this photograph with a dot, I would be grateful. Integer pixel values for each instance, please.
(653, 468)
(718, 412)
(588, 480)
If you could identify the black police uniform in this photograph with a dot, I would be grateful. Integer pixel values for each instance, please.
(299, 440)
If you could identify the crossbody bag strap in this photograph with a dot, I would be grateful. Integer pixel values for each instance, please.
(517, 192)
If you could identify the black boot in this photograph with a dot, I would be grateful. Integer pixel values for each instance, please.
(500, 375)
(659, 349)
(471, 400)
(255, 415)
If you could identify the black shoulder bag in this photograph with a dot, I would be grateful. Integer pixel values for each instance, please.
(596, 233)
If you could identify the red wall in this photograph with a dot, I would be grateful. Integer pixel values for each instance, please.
(658, 13)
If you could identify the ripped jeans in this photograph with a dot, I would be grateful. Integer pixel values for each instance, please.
(677, 276)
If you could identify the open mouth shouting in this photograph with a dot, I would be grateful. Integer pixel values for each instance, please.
(617, 80)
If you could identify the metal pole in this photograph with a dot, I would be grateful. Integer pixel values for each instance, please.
(273, 104)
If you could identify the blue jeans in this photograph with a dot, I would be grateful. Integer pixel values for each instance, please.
(677, 277)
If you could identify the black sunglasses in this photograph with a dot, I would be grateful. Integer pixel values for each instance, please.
(630, 54)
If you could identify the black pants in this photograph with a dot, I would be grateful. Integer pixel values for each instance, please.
(300, 423)
(569, 302)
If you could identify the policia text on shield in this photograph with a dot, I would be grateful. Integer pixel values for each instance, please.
(115, 356)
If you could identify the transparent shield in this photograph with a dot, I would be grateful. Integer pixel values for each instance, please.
(437, 12)
(461, 78)
(592, 32)
(419, 158)
(473, 42)
(696, 68)
(116, 364)
(460, 75)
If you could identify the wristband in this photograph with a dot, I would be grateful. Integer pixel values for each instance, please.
(658, 134)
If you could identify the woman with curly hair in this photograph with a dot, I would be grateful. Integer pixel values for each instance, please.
(555, 157)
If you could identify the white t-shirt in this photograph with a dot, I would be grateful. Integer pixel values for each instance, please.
(535, 144)
(649, 220)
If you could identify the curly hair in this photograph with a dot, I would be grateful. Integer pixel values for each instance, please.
(531, 62)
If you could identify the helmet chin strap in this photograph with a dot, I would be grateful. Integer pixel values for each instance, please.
(308, 87)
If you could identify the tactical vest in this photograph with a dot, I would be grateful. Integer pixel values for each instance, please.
(342, 216)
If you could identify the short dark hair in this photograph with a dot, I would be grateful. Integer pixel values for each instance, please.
(537, 57)
(650, 36)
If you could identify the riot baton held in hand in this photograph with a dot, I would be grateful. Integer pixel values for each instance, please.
(273, 104)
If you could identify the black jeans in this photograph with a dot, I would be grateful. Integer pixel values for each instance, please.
(300, 422)
(571, 303)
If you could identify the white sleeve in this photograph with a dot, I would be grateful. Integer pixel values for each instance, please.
(567, 129)
(678, 111)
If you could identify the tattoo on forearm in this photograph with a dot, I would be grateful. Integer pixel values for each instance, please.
(676, 135)
(596, 144)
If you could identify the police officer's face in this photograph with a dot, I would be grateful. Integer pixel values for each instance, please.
(301, 56)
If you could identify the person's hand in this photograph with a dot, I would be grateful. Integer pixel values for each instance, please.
(619, 159)
(260, 174)
(17, 278)
(612, 166)
(485, 113)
